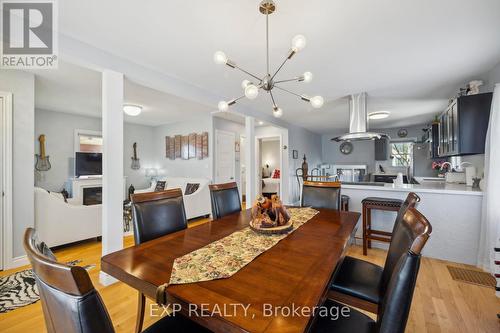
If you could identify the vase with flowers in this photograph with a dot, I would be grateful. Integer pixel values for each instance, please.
(441, 167)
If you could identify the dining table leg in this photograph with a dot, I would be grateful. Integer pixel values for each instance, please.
(141, 304)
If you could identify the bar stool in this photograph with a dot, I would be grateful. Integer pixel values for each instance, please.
(369, 234)
(344, 202)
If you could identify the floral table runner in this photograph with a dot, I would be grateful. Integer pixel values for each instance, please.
(223, 258)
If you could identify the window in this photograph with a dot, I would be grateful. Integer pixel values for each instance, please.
(401, 153)
(88, 141)
(90, 144)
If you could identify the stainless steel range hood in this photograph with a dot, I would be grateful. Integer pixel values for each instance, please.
(358, 121)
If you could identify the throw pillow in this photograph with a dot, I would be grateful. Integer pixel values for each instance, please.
(191, 188)
(45, 250)
(276, 173)
(160, 185)
(59, 196)
(65, 195)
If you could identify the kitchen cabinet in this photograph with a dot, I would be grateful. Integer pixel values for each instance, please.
(463, 125)
(434, 140)
(381, 149)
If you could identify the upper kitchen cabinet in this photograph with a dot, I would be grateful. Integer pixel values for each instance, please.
(432, 138)
(462, 127)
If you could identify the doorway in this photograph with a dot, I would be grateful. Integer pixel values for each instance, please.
(269, 161)
(224, 156)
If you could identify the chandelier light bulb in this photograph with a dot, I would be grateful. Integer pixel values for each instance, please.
(277, 112)
(245, 83)
(223, 106)
(317, 102)
(308, 76)
(251, 91)
(298, 43)
(220, 58)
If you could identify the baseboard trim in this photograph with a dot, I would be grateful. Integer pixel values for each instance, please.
(18, 262)
(105, 279)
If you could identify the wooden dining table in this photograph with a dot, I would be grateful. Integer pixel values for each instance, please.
(276, 292)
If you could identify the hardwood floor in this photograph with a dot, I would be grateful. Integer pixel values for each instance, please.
(440, 304)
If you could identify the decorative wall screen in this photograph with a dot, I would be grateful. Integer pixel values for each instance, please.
(187, 147)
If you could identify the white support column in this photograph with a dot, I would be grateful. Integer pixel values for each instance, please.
(112, 181)
(250, 160)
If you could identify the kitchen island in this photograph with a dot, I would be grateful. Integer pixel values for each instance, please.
(454, 210)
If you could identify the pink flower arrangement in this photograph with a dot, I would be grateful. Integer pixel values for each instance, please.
(438, 165)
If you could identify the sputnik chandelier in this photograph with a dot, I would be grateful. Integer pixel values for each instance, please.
(268, 82)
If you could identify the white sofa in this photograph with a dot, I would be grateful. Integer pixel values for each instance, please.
(58, 222)
(196, 204)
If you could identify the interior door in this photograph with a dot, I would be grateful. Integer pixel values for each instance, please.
(224, 157)
(258, 162)
(243, 174)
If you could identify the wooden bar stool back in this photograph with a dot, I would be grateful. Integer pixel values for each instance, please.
(385, 204)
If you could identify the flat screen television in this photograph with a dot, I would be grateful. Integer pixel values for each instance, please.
(88, 164)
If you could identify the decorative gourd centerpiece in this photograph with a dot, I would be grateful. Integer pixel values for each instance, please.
(269, 216)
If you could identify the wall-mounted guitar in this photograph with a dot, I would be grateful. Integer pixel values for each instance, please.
(42, 161)
(136, 165)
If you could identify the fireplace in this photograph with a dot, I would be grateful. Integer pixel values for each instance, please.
(92, 196)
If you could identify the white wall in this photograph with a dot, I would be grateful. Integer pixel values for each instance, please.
(179, 167)
(22, 87)
(270, 151)
(144, 136)
(305, 142)
(59, 129)
(491, 78)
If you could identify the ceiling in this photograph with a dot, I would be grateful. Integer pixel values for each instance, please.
(238, 118)
(409, 56)
(77, 90)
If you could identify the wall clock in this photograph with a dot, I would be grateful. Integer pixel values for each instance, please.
(346, 148)
(402, 133)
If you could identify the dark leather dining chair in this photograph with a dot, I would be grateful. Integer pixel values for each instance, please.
(70, 302)
(321, 195)
(225, 199)
(155, 214)
(394, 307)
(363, 284)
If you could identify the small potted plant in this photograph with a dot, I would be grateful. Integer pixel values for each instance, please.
(441, 167)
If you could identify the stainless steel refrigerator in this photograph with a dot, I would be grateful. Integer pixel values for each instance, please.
(422, 163)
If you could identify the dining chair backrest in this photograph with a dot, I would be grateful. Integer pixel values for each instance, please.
(157, 214)
(70, 302)
(394, 309)
(225, 199)
(321, 195)
(411, 201)
(395, 306)
(410, 235)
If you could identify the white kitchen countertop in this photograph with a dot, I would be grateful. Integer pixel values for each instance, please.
(426, 187)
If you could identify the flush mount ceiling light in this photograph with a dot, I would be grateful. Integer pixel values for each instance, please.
(378, 115)
(268, 82)
(132, 110)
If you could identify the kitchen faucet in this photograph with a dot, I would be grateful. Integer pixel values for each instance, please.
(445, 163)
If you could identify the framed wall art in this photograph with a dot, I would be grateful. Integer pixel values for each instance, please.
(193, 145)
